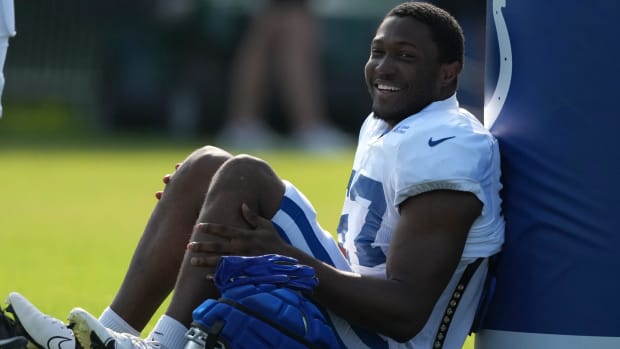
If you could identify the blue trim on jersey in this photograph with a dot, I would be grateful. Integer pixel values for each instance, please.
(343, 227)
(299, 216)
(282, 234)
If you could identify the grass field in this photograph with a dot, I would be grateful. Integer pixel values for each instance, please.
(71, 214)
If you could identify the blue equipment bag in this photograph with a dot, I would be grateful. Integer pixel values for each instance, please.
(264, 304)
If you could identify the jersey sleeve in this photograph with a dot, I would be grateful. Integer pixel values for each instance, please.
(449, 159)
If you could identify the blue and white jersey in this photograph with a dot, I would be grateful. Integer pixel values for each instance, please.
(441, 147)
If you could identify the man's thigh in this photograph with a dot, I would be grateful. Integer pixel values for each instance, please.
(296, 222)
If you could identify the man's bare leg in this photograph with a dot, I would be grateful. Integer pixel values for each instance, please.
(156, 261)
(242, 179)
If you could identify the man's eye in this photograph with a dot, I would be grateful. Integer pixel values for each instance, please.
(406, 55)
(375, 52)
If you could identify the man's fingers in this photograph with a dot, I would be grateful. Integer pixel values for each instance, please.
(213, 229)
(253, 219)
(218, 247)
(166, 178)
(205, 261)
(220, 230)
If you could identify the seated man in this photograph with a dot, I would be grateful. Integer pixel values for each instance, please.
(421, 216)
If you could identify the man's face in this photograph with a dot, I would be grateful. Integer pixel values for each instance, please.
(402, 73)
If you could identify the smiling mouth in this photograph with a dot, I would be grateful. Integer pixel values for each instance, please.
(386, 88)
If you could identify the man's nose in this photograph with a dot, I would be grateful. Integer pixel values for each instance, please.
(385, 65)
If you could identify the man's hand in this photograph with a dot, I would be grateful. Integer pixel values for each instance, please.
(259, 239)
(166, 179)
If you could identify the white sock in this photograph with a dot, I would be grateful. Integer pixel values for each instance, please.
(169, 332)
(113, 321)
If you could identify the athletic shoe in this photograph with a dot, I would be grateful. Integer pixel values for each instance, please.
(42, 330)
(17, 342)
(10, 333)
(91, 334)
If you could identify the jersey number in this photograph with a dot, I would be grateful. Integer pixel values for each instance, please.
(371, 190)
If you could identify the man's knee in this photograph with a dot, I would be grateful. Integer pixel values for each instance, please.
(189, 183)
(202, 163)
(251, 179)
(245, 167)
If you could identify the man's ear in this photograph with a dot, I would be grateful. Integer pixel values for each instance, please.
(449, 73)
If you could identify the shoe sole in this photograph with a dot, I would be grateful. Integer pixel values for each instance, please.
(85, 328)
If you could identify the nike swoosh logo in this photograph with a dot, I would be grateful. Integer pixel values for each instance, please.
(57, 341)
(432, 143)
(110, 343)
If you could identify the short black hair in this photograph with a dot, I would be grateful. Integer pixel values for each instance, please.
(445, 29)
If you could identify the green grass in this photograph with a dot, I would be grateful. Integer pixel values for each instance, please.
(72, 213)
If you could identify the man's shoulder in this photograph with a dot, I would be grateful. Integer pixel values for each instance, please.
(432, 129)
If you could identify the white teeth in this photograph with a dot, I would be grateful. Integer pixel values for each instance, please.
(383, 87)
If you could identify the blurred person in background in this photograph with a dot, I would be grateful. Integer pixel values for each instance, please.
(156, 63)
(281, 43)
(7, 29)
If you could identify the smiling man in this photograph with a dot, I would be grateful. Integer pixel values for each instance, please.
(407, 69)
(421, 215)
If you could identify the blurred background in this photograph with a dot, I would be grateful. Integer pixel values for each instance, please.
(102, 98)
(185, 69)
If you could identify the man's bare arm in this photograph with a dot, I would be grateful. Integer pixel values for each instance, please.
(424, 252)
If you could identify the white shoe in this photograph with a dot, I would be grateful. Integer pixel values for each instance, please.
(91, 334)
(42, 330)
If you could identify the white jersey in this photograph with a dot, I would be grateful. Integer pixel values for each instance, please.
(441, 147)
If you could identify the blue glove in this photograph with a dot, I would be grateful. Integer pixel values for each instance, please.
(264, 304)
(282, 271)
